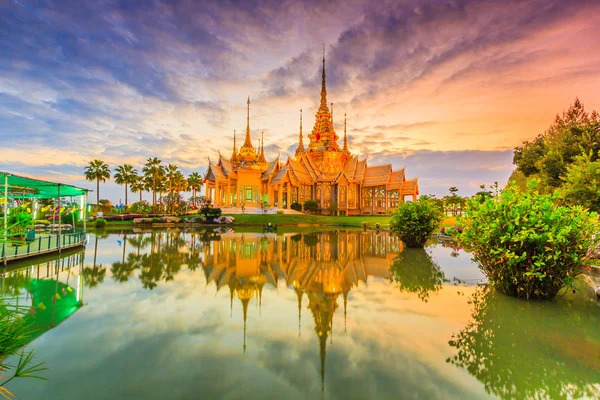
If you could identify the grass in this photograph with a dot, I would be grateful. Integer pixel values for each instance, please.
(284, 219)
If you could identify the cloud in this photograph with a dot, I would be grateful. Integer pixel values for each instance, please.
(119, 82)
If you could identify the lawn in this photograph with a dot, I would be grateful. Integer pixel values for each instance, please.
(305, 219)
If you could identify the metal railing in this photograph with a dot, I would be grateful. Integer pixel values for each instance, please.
(43, 243)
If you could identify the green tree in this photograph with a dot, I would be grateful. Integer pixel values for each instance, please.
(153, 172)
(194, 183)
(527, 245)
(125, 175)
(138, 186)
(582, 183)
(97, 170)
(547, 156)
(415, 221)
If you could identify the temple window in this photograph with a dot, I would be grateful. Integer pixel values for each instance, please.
(367, 197)
(380, 196)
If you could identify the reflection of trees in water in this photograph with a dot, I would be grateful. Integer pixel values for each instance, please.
(416, 272)
(94, 275)
(522, 350)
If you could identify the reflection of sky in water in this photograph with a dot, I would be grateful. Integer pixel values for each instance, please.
(181, 340)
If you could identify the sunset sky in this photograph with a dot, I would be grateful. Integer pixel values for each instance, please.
(445, 88)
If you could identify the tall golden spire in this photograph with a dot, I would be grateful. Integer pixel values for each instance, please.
(323, 90)
(234, 156)
(300, 148)
(247, 151)
(345, 137)
(261, 156)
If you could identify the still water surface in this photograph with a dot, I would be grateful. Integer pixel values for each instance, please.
(336, 314)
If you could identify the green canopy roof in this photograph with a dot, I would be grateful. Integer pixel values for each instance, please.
(21, 186)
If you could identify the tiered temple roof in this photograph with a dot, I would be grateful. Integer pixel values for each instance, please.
(322, 161)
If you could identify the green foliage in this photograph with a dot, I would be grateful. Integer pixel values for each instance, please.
(280, 212)
(42, 222)
(415, 272)
(296, 206)
(157, 220)
(582, 183)
(333, 207)
(14, 334)
(526, 244)
(105, 206)
(547, 157)
(140, 207)
(415, 221)
(100, 222)
(174, 203)
(311, 205)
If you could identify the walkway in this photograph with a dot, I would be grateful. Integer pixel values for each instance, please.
(256, 210)
(42, 244)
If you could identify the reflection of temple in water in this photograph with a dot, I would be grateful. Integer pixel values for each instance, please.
(321, 266)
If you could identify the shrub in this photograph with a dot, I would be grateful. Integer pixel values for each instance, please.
(311, 205)
(157, 220)
(100, 222)
(415, 221)
(280, 212)
(42, 222)
(526, 244)
(140, 207)
(296, 206)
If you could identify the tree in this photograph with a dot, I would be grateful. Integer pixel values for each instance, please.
(414, 222)
(125, 175)
(138, 186)
(582, 183)
(153, 171)
(547, 156)
(97, 170)
(194, 183)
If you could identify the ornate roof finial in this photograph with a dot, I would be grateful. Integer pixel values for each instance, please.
(234, 156)
(345, 137)
(300, 148)
(323, 90)
(247, 152)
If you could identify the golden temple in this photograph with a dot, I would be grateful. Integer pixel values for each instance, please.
(321, 171)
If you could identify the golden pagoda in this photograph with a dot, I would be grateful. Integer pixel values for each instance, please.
(338, 180)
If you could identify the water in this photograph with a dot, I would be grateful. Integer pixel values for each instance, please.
(299, 315)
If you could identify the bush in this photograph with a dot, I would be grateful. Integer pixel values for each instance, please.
(41, 222)
(140, 207)
(415, 221)
(526, 244)
(296, 206)
(311, 205)
(100, 222)
(157, 220)
(280, 212)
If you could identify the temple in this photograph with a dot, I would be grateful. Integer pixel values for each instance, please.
(338, 180)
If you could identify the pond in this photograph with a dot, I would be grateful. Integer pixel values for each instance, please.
(338, 314)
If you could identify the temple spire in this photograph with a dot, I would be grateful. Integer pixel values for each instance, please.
(234, 157)
(247, 152)
(323, 90)
(345, 137)
(300, 148)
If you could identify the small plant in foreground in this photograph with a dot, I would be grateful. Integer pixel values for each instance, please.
(100, 222)
(526, 244)
(414, 222)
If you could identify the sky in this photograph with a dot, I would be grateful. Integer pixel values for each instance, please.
(445, 88)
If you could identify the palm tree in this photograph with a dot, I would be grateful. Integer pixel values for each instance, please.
(97, 170)
(194, 183)
(125, 175)
(153, 171)
(138, 186)
(171, 175)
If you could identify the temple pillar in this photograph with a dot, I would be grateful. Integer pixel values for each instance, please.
(385, 205)
(228, 199)
(322, 191)
(414, 197)
(237, 194)
(280, 196)
(288, 195)
(270, 195)
(217, 200)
